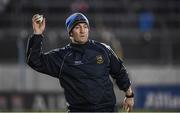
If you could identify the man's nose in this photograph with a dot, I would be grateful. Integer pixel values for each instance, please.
(82, 30)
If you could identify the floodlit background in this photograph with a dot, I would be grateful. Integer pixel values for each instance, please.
(144, 33)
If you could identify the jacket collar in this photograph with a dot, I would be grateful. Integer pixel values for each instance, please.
(79, 47)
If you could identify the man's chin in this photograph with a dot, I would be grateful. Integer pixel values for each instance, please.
(82, 41)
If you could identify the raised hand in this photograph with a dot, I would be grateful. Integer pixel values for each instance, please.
(38, 23)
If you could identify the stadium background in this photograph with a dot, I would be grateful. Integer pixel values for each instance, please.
(144, 33)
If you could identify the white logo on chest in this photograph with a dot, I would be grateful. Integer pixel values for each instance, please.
(78, 62)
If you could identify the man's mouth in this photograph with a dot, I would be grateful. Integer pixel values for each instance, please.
(82, 35)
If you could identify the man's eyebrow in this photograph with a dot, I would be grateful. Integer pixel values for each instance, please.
(77, 25)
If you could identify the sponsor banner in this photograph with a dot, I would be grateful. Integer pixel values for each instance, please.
(158, 97)
(40, 101)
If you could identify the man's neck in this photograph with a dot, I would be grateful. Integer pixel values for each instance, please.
(77, 42)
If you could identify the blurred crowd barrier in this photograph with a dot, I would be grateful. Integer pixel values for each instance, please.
(156, 87)
(32, 101)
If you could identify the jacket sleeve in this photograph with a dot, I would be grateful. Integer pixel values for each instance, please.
(46, 63)
(118, 71)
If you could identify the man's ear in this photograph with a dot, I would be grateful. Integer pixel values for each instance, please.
(70, 34)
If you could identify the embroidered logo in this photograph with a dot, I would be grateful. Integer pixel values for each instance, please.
(78, 62)
(99, 59)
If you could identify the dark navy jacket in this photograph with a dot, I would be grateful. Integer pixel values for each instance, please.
(83, 71)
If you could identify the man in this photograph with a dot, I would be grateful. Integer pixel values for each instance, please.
(83, 67)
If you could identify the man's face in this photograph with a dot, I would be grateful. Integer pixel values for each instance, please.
(80, 33)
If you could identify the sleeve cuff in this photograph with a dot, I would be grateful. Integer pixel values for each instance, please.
(38, 35)
(36, 40)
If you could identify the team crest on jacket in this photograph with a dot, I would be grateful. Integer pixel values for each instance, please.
(99, 59)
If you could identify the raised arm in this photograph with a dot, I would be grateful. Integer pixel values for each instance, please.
(47, 63)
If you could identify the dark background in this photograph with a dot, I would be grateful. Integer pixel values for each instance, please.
(156, 42)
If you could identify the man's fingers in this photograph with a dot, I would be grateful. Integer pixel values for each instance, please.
(36, 18)
(125, 107)
(130, 108)
(128, 104)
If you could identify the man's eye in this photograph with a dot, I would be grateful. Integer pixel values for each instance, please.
(85, 26)
(77, 27)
